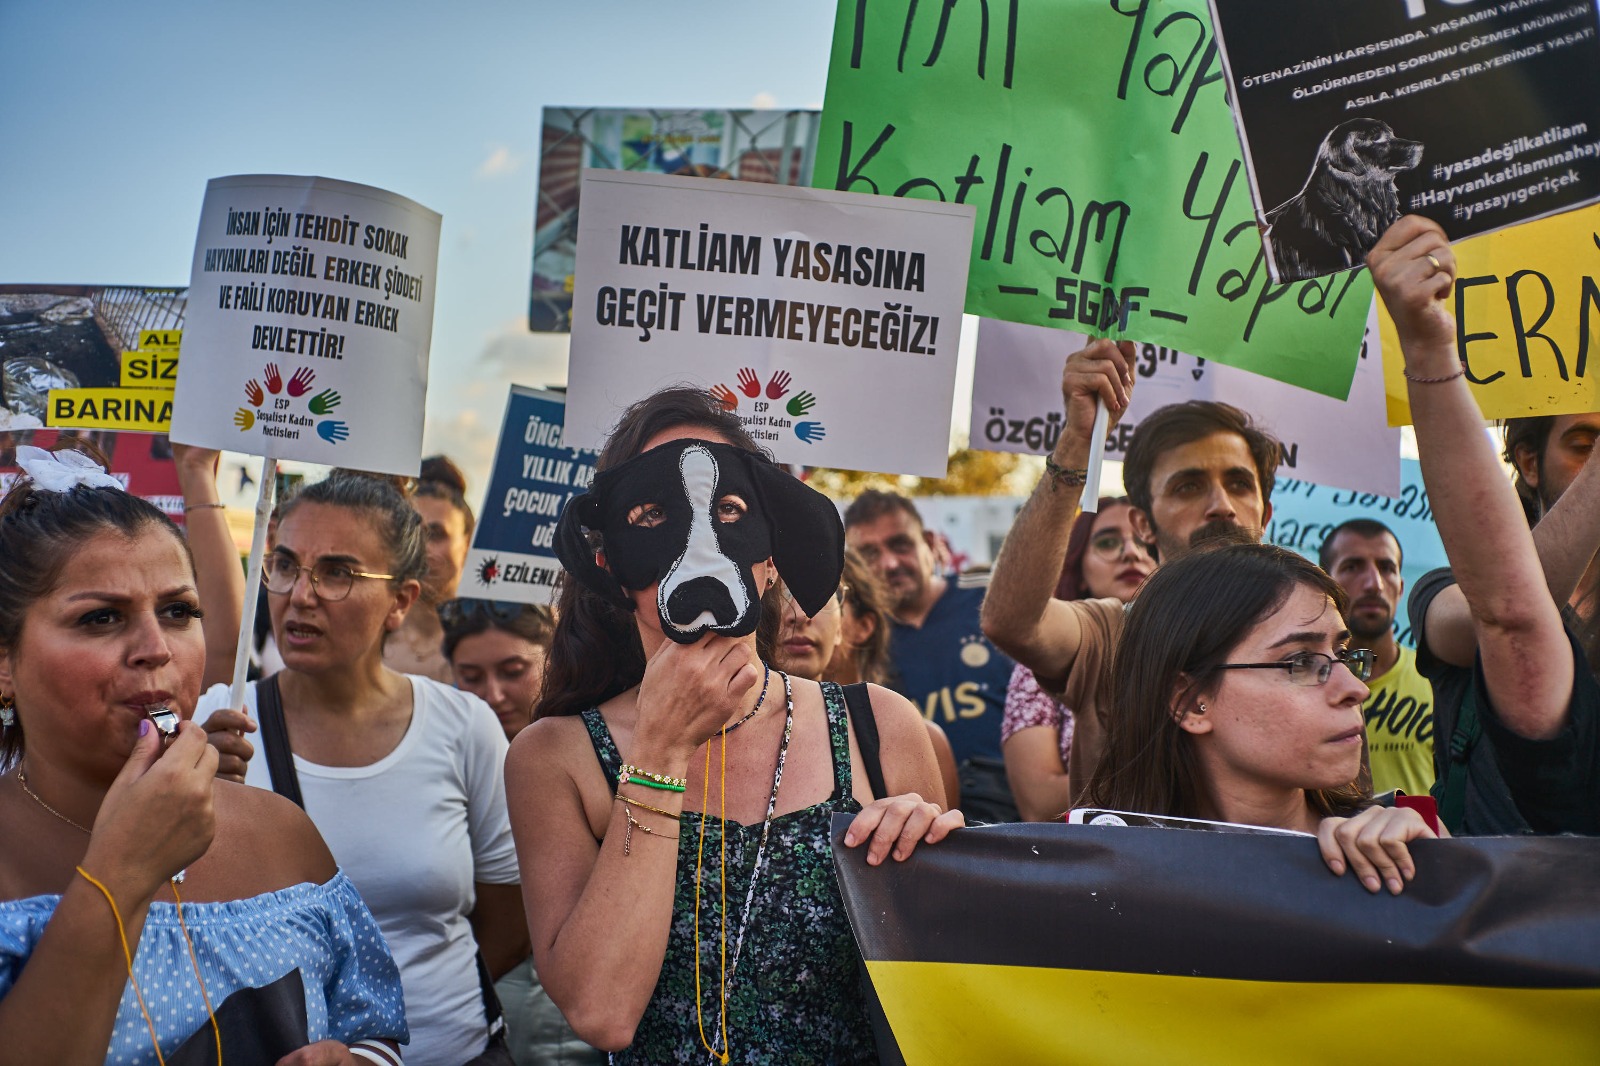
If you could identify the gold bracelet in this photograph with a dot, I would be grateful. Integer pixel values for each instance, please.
(629, 770)
(187, 506)
(1071, 479)
(634, 823)
(645, 806)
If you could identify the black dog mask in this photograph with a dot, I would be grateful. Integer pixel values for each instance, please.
(689, 536)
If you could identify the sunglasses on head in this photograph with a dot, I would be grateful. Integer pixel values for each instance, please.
(465, 611)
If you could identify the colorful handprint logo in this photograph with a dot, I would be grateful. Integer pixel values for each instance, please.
(763, 413)
(279, 419)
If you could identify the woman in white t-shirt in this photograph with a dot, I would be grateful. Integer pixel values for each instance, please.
(402, 775)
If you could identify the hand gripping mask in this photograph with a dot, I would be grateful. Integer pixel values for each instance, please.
(703, 515)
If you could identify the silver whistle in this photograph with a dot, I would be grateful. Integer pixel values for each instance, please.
(164, 718)
(166, 723)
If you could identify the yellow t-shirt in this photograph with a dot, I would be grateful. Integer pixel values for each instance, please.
(1399, 715)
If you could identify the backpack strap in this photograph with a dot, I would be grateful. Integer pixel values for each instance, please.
(859, 702)
(286, 783)
(275, 736)
(493, 1013)
(1451, 788)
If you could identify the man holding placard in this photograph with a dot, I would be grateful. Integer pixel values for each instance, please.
(1194, 471)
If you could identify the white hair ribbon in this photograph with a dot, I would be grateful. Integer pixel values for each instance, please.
(62, 471)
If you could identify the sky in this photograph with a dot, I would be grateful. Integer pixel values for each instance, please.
(116, 115)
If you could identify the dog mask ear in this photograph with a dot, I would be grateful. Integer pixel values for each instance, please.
(577, 557)
(807, 534)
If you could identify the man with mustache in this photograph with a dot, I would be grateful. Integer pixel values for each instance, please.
(1195, 471)
(1363, 556)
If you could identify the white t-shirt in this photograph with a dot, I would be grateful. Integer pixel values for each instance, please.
(414, 830)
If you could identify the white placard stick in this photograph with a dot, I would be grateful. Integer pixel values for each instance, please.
(252, 581)
(1090, 502)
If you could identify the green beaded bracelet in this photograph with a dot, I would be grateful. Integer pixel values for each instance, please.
(647, 783)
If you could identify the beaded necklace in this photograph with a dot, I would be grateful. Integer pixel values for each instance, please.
(728, 973)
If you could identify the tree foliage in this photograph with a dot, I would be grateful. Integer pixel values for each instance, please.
(971, 473)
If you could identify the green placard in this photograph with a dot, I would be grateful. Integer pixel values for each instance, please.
(1095, 140)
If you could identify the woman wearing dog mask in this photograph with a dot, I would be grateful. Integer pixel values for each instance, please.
(671, 800)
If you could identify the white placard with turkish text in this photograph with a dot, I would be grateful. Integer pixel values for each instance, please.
(1016, 404)
(309, 319)
(827, 321)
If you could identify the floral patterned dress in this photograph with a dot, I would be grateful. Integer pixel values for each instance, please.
(795, 995)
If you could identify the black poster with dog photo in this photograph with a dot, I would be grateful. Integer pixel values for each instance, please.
(1477, 114)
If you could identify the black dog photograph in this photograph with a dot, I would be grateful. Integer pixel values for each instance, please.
(1347, 202)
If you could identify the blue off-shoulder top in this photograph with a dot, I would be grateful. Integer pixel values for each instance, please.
(352, 988)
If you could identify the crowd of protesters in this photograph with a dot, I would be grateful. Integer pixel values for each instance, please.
(443, 830)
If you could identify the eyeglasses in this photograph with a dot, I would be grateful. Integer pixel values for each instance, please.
(330, 581)
(1314, 667)
(1108, 543)
(466, 610)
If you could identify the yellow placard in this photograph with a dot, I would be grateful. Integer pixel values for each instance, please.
(150, 370)
(143, 410)
(1527, 306)
(162, 340)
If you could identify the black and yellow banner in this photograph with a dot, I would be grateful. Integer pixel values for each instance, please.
(1053, 943)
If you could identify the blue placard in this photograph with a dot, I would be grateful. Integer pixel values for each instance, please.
(513, 553)
(1304, 514)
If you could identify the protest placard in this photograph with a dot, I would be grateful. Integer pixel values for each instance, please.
(1355, 112)
(1096, 143)
(1527, 307)
(65, 341)
(143, 399)
(310, 316)
(155, 368)
(1093, 949)
(513, 553)
(1016, 405)
(145, 410)
(59, 350)
(745, 145)
(828, 322)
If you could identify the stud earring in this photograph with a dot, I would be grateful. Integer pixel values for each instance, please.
(8, 712)
(1202, 707)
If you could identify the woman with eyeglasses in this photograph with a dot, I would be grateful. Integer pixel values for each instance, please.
(1239, 701)
(1104, 560)
(403, 775)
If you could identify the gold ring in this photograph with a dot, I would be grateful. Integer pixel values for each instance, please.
(1437, 266)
